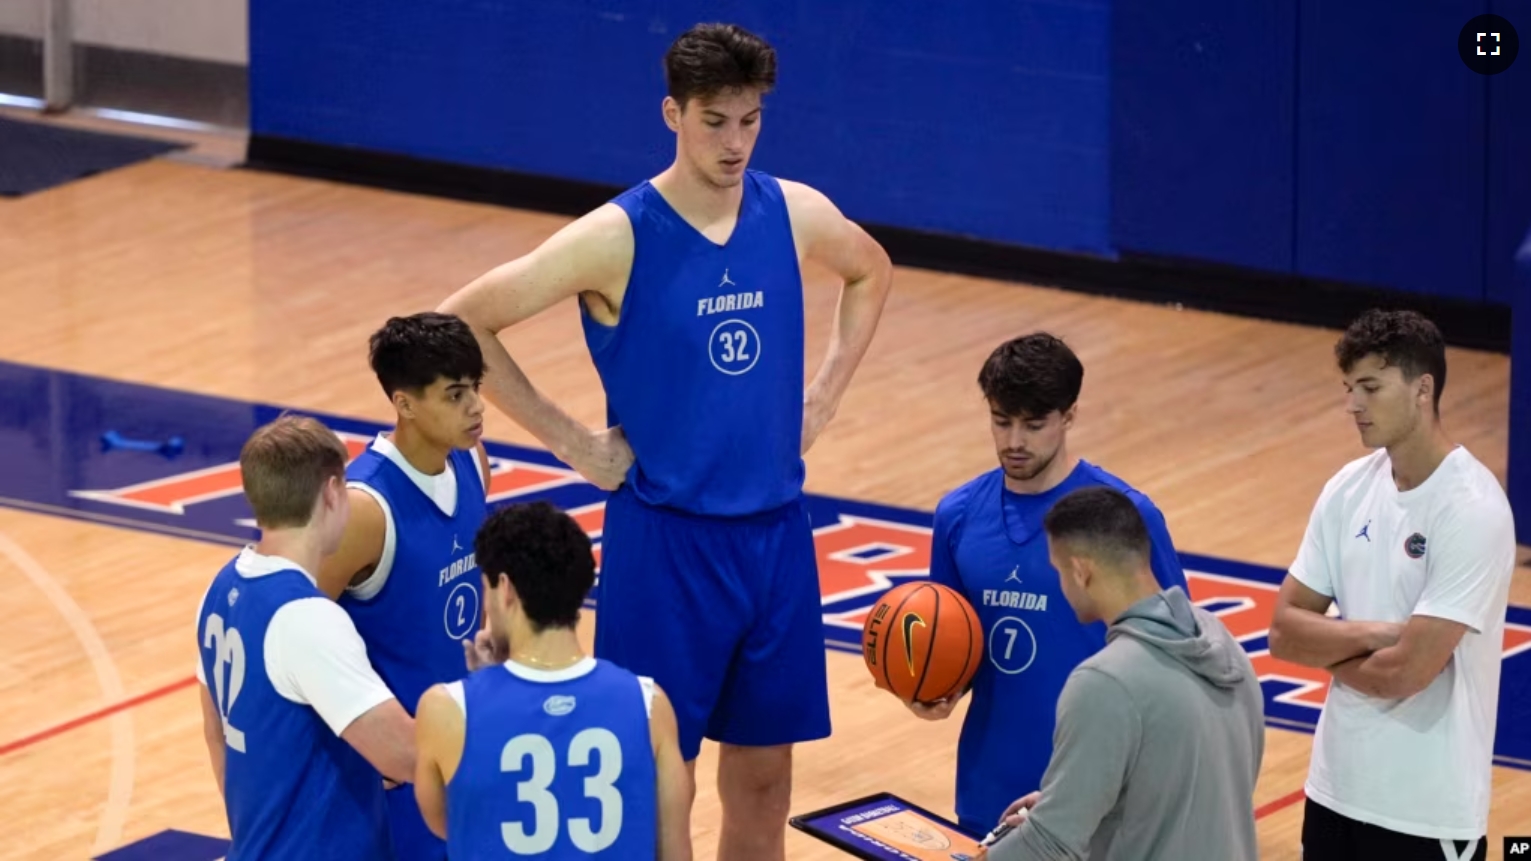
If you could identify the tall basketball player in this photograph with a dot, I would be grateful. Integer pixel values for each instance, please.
(990, 545)
(588, 748)
(405, 569)
(692, 303)
(298, 725)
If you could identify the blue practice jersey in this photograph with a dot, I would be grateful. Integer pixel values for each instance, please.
(704, 369)
(414, 627)
(989, 544)
(292, 788)
(555, 765)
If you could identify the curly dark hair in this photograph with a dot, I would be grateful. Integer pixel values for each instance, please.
(1406, 340)
(1032, 376)
(1099, 521)
(711, 58)
(411, 353)
(545, 554)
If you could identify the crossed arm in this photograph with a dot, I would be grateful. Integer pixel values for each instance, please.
(1380, 659)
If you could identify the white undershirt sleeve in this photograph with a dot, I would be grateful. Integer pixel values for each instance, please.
(314, 656)
(647, 684)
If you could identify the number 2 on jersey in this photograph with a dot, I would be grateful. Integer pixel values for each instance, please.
(228, 649)
(534, 790)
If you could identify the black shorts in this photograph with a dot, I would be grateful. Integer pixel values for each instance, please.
(1328, 836)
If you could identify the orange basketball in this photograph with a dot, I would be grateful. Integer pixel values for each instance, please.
(923, 642)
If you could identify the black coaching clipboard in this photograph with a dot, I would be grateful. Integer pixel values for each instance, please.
(884, 827)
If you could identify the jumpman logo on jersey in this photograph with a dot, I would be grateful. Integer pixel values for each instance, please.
(455, 546)
(726, 282)
(1015, 574)
(1362, 533)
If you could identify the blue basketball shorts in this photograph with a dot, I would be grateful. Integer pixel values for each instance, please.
(723, 613)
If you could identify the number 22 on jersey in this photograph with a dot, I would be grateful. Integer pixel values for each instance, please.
(228, 651)
(534, 790)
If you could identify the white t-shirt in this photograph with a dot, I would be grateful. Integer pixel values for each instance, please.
(314, 656)
(1446, 549)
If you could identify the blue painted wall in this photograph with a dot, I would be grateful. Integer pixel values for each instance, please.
(1509, 162)
(1391, 146)
(1202, 130)
(1334, 140)
(987, 120)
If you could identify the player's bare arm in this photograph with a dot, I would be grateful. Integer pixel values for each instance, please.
(674, 778)
(439, 732)
(590, 258)
(385, 736)
(827, 237)
(1407, 667)
(1302, 634)
(361, 547)
(212, 733)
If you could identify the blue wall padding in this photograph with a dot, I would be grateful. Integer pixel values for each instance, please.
(1391, 146)
(1202, 130)
(986, 120)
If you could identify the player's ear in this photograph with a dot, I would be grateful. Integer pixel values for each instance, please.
(1082, 569)
(1425, 388)
(404, 404)
(1068, 416)
(671, 110)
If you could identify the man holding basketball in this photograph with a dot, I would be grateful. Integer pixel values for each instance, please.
(691, 296)
(989, 545)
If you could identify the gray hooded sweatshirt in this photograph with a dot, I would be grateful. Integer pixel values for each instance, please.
(1157, 747)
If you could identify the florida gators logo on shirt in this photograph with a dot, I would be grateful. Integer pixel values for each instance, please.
(1415, 546)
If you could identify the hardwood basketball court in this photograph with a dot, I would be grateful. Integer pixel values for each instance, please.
(181, 274)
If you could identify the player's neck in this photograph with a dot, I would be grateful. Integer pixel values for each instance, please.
(421, 453)
(1418, 455)
(303, 547)
(1112, 603)
(550, 649)
(1062, 465)
(696, 199)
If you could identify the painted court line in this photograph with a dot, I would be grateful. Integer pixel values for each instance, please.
(1281, 803)
(123, 750)
(1260, 813)
(82, 720)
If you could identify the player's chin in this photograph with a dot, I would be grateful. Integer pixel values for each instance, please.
(1026, 473)
(1371, 437)
(728, 175)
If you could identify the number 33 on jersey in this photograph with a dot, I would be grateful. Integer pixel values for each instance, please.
(555, 765)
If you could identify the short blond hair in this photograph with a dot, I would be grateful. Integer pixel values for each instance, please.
(284, 465)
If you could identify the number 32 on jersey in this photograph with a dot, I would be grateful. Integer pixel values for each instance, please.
(228, 652)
